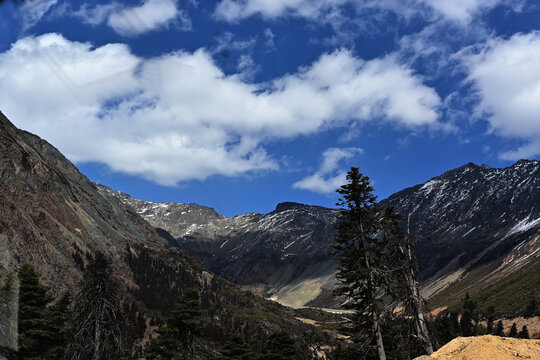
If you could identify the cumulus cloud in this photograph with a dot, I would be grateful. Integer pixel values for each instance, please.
(178, 117)
(506, 76)
(131, 21)
(461, 11)
(325, 180)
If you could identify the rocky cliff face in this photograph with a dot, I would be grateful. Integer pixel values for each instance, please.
(469, 218)
(54, 218)
(284, 255)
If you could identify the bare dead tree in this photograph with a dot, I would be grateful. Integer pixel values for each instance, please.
(97, 325)
(403, 272)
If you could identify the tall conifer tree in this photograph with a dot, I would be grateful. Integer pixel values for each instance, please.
(179, 338)
(360, 255)
(41, 320)
(236, 349)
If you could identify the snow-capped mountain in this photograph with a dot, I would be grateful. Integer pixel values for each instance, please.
(470, 219)
(473, 219)
(284, 255)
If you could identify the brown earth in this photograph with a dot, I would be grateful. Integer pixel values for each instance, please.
(489, 347)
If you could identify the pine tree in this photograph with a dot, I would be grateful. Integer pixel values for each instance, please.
(524, 333)
(467, 316)
(490, 319)
(360, 255)
(236, 349)
(41, 321)
(499, 329)
(97, 325)
(179, 338)
(513, 333)
(530, 309)
(279, 346)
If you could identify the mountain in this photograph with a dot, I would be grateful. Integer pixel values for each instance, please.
(284, 255)
(475, 227)
(53, 217)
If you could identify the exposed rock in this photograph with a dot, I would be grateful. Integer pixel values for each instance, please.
(488, 347)
(466, 218)
(54, 218)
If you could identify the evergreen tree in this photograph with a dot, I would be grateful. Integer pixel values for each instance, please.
(236, 349)
(524, 333)
(179, 338)
(490, 319)
(361, 254)
(41, 321)
(530, 309)
(499, 329)
(467, 316)
(349, 352)
(513, 331)
(279, 346)
(445, 328)
(97, 323)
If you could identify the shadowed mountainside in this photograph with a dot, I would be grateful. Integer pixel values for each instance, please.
(53, 217)
(475, 226)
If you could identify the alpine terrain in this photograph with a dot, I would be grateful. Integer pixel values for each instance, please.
(53, 218)
(475, 227)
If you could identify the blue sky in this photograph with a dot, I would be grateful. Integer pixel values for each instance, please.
(241, 104)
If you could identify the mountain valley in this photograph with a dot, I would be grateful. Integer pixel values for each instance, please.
(474, 226)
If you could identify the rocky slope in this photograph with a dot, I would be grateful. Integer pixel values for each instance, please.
(474, 226)
(284, 255)
(54, 218)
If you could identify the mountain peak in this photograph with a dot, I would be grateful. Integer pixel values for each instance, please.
(288, 205)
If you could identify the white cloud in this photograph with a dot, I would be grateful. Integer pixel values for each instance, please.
(270, 43)
(95, 15)
(462, 11)
(33, 10)
(179, 117)
(151, 15)
(325, 180)
(506, 75)
(131, 21)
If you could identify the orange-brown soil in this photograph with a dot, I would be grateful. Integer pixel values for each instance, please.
(489, 347)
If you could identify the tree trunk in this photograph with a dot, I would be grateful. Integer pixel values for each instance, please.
(374, 314)
(420, 321)
(378, 337)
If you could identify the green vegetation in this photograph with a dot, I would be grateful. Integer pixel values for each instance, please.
(375, 266)
(236, 349)
(524, 333)
(41, 320)
(510, 295)
(279, 346)
(513, 331)
(180, 337)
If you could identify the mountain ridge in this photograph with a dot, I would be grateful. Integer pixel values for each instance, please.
(54, 218)
(460, 202)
